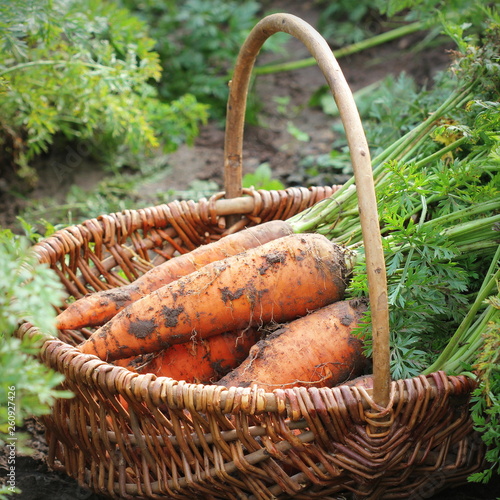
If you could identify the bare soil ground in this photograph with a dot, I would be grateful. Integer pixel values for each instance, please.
(268, 142)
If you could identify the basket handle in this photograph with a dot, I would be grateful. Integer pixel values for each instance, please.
(360, 157)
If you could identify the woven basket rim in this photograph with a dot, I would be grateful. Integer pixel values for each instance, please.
(67, 359)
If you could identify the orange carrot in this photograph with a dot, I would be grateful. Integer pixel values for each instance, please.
(97, 308)
(315, 350)
(365, 381)
(278, 281)
(202, 361)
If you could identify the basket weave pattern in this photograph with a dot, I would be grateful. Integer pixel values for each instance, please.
(138, 436)
(180, 440)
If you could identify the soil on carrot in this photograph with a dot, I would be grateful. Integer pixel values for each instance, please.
(270, 141)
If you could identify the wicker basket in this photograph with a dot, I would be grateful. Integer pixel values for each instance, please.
(404, 439)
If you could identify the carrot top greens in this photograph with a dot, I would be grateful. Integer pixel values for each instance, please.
(438, 191)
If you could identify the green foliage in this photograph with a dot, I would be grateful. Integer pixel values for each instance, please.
(83, 71)
(198, 41)
(457, 11)
(432, 279)
(296, 133)
(427, 283)
(262, 179)
(389, 109)
(343, 22)
(393, 106)
(486, 397)
(28, 291)
(398, 105)
(327, 166)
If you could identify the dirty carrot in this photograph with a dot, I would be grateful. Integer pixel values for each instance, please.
(317, 350)
(278, 281)
(202, 361)
(97, 308)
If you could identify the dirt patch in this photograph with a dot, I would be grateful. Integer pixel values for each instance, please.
(142, 329)
(171, 316)
(33, 477)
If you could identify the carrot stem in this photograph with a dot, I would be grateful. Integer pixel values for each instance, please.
(462, 333)
(325, 217)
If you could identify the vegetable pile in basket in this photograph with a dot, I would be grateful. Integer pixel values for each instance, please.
(203, 323)
(284, 303)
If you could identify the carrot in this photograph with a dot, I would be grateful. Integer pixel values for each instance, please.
(315, 350)
(278, 281)
(365, 381)
(97, 308)
(203, 361)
